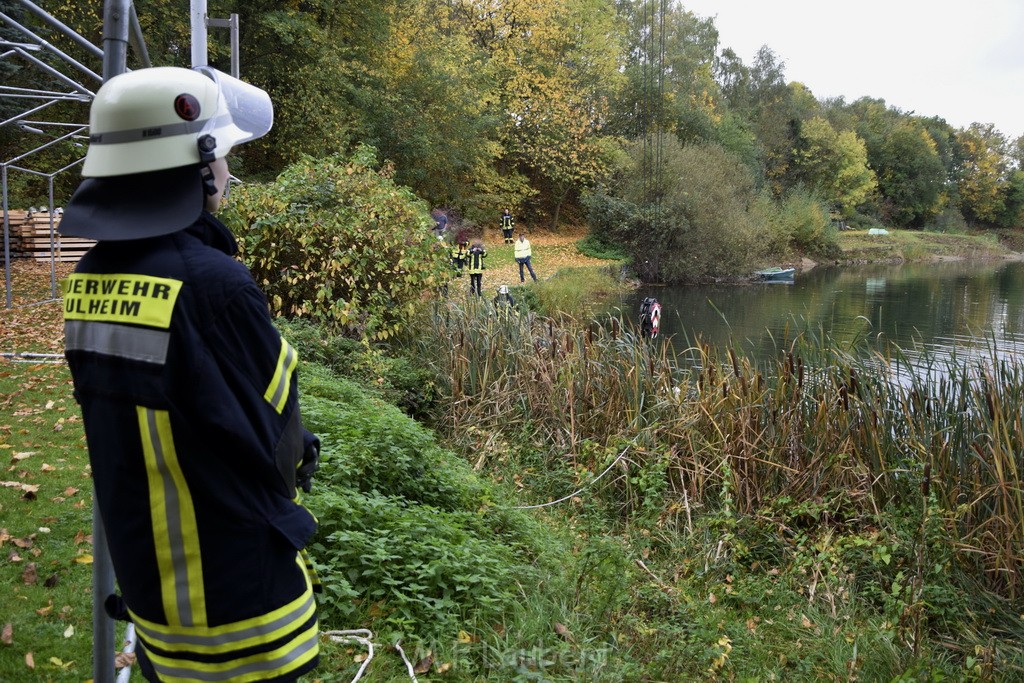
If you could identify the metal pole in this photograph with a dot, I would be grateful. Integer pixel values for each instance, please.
(82, 42)
(53, 250)
(233, 26)
(7, 238)
(115, 58)
(200, 55)
(43, 44)
(102, 586)
(138, 40)
(115, 37)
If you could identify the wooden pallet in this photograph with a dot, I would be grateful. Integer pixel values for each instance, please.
(30, 238)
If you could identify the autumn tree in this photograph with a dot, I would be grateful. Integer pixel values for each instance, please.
(980, 171)
(834, 164)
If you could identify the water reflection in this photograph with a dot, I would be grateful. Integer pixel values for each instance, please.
(947, 311)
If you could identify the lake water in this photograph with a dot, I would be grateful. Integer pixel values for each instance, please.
(941, 307)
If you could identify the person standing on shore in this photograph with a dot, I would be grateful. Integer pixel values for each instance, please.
(523, 255)
(475, 266)
(507, 226)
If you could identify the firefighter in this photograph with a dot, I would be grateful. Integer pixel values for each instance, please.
(507, 226)
(188, 392)
(503, 302)
(459, 255)
(475, 266)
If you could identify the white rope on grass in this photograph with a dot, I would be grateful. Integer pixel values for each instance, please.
(408, 664)
(578, 491)
(364, 637)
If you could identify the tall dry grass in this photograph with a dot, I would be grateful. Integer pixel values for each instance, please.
(817, 420)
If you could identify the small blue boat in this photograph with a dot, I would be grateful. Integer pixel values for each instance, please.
(776, 274)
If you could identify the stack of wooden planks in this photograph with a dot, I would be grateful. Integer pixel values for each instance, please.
(30, 238)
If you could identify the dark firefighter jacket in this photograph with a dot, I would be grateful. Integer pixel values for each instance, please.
(475, 261)
(189, 399)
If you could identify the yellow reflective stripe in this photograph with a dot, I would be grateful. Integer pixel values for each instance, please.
(175, 532)
(257, 667)
(277, 392)
(238, 635)
(120, 298)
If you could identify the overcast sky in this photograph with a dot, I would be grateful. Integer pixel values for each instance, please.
(962, 61)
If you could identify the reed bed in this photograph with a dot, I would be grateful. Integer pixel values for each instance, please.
(865, 427)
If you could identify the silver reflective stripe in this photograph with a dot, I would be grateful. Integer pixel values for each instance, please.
(225, 640)
(172, 504)
(116, 137)
(123, 341)
(234, 673)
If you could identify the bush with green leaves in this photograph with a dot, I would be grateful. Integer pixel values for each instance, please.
(707, 221)
(337, 241)
(410, 541)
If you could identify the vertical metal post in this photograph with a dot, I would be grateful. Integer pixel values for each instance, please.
(102, 586)
(200, 55)
(115, 37)
(53, 250)
(7, 237)
(233, 26)
(116, 19)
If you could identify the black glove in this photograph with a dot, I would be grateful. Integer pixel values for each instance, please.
(310, 463)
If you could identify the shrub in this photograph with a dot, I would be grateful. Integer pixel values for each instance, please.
(807, 222)
(337, 241)
(410, 542)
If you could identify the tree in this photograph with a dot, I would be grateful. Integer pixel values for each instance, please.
(833, 164)
(981, 170)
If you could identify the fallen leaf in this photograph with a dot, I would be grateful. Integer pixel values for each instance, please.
(84, 559)
(465, 637)
(70, 491)
(712, 599)
(30, 661)
(29, 576)
(69, 631)
(807, 623)
(360, 657)
(423, 666)
(22, 456)
(562, 630)
(444, 668)
(48, 468)
(43, 611)
(44, 529)
(7, 635)
(24, 542)
(60, 663)
(49, 405)
(82, 537)
(51, 581)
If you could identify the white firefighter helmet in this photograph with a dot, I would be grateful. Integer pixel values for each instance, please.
(166, 117)
(153, 132)
(503, 289)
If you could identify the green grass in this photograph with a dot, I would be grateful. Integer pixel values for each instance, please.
(916, 245)
(45, 527)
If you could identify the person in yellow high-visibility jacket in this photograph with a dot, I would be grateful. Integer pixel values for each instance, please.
(475, 266)
(523, 254)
